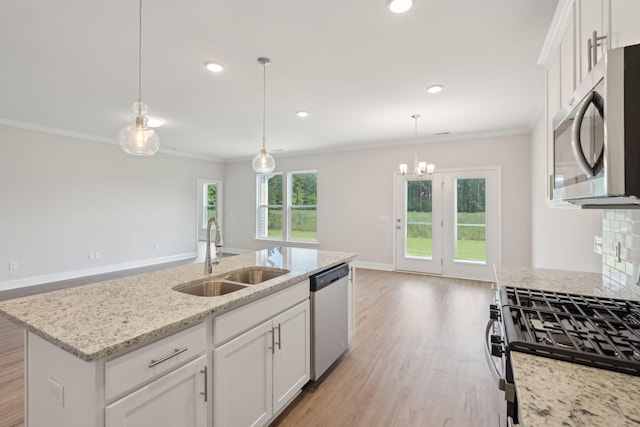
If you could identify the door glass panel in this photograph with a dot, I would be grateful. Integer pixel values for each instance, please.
(418, 219)
(470, 220)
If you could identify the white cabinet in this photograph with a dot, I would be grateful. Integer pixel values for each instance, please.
(242, 379)
(291, 354)
(257, 373)
(625, 22)
(161, 384)
(591, 18)
(178, 398)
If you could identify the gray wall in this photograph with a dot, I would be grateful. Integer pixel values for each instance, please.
(65, 197)
(355, 189)
(561, 237)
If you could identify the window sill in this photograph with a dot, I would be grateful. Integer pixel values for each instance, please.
(297, 243)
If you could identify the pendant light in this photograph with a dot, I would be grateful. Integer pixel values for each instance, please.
(419, 168)
(264, 162)
(138, 138)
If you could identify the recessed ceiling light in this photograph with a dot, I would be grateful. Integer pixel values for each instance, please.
(154, 122)
(435, 88)
(214, 67)
(302, 114)
(399, 6)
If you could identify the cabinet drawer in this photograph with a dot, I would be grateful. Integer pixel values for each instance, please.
(233, 323)
(132, 369)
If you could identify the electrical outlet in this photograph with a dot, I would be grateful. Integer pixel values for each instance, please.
(92, 255)
(97, 254)
(56, 392)
(13, 265)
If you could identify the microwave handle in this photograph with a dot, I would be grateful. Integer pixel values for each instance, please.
(576, 143)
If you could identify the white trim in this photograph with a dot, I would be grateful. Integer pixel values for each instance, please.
(55, 277)
(454, 137)
(94, 138)
(372, 265)
(559, 18)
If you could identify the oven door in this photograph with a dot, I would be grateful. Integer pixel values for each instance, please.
(497, 358)
(578, 139)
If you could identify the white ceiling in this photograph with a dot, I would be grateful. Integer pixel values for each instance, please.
(358, 69)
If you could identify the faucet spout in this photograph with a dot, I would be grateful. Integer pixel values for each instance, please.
(208, 267)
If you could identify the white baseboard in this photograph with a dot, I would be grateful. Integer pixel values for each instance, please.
(66, 275)
(373, 265)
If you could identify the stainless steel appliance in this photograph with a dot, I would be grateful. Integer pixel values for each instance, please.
(589, 330)
(329, 318)
(597, 139)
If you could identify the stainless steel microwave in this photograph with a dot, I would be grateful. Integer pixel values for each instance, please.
(596, 141)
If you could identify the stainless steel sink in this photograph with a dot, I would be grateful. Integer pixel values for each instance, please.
(209, 288)
(255, 275)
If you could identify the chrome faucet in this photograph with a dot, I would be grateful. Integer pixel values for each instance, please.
(208, 268)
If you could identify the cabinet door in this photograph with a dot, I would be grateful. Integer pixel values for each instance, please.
(242, 377)
(625, 25)
(176, 399)
(567, 58)
(292, 356)
(591, 18)
(552, 108)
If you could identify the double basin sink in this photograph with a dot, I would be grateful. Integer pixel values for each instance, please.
(234, 281)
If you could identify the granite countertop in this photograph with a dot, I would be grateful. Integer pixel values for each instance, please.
(557, 393)
(98, 320)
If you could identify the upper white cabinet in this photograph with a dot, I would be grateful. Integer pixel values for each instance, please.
(593, 33)
(566, 54)
(625, 22)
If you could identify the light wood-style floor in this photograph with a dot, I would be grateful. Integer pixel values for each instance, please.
(416, 360)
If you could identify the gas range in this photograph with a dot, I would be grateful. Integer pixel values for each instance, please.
(593, 331)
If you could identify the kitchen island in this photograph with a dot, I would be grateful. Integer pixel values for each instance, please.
(557, 393)
(99, 331)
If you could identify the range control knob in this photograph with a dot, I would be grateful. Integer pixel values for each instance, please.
(496, 350)
(496, 339)
(494, 312)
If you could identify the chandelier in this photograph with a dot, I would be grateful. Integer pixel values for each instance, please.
(419, 168)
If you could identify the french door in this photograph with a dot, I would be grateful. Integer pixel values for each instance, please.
(449, 223)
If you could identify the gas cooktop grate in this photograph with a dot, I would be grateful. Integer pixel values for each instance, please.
(594, 331)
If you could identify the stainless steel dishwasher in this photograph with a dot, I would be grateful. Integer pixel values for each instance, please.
(329, 318)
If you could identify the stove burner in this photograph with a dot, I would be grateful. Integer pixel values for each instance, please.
(590, 330)
(562, 340)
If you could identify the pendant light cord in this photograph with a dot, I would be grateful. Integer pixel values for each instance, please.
(415, 146)
(140, 61)
(264, 104)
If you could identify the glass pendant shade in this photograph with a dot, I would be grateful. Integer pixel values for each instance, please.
(138, 138)
(263, 162)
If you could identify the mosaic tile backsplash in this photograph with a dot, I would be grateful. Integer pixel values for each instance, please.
(621, 251)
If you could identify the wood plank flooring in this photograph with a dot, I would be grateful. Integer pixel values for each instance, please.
(416, 360)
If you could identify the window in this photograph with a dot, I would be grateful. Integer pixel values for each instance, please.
(295, 221)
(209, 204)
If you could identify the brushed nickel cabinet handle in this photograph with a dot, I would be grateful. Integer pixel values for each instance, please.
(279, 337)
(176, 352)
(206, 387)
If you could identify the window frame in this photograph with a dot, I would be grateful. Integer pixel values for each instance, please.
(201, 225)
(286, 207)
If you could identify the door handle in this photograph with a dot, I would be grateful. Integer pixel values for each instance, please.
(205, 393)
(576, 144)
(399, 227)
